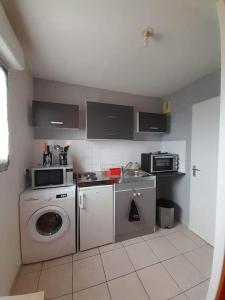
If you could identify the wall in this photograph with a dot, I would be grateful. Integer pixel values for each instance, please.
(12, 181)
(97, 155)
(52, 91)
(181, 126)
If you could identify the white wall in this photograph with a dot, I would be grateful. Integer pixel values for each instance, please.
(12, 181)
(95, 155)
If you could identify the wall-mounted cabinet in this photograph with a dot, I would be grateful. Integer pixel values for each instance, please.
(151, 122)
(55, 115)
(109, 121)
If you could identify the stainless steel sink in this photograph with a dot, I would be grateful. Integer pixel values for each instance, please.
(134, 175)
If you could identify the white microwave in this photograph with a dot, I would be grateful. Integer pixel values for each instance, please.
(54, 176)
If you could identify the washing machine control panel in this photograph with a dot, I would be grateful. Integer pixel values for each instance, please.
(61, 196)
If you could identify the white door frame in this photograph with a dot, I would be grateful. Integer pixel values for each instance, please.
(220, 218)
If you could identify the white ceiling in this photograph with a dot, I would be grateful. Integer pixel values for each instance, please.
(98, 43)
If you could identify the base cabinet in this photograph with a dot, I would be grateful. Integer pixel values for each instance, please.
(95, 206)
(145, 200)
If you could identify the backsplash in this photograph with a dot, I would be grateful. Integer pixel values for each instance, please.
(86, 155)
(97, 155)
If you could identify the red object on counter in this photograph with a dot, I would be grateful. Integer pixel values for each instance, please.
(114, 171)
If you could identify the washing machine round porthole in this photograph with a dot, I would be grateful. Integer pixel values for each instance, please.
(48, 224)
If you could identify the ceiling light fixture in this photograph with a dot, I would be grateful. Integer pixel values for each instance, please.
(146, 34)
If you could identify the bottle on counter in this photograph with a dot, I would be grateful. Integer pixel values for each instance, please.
(47, 156)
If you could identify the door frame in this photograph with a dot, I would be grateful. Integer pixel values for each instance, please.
(217, 281)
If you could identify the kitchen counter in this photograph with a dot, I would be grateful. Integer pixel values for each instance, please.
(104, 179)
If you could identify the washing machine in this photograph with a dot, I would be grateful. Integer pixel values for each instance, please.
(47, 223)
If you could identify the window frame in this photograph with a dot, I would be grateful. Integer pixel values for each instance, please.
(4, 166)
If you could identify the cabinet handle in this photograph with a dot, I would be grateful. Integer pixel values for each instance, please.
(152, 127)
(139, 194)
(81, 200)
(57, 122)
(112, 134)
(112, 117)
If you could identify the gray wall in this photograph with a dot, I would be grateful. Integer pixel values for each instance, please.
(52, 91)
(181, 125)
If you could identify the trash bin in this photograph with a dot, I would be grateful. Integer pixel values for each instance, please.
(165, 213)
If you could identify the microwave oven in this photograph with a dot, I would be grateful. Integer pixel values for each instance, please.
(159, 162)
(54, 176)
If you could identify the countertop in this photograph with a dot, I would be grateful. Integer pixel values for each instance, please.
(104, 179)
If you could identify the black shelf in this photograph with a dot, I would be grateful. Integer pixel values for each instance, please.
(168, 174)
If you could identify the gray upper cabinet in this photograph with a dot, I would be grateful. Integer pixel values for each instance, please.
(109, 121)
(55, 115)
(151, 122)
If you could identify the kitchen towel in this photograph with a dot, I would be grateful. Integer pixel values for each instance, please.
(133, 214)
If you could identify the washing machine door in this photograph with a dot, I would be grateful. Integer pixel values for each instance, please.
(48, 224)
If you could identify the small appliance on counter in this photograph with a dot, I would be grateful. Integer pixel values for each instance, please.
(157, 162)
(54, 176)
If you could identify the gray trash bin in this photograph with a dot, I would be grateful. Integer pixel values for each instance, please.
(165, 213)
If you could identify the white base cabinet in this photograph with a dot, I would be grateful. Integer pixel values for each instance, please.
(96, 215)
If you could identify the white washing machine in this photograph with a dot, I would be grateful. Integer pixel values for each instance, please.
(47, 223)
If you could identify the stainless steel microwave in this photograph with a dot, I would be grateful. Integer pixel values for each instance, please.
(159, 162)
(54, 176)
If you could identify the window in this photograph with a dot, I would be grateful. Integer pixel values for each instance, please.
(4, 131)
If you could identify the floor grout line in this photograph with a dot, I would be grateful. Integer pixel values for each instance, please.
(39, 277)
(105, 275)
(137, 274)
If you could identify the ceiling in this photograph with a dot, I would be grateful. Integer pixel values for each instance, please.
(98, 43)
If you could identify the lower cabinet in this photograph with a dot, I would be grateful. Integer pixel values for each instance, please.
(96, 216)
(145, 200)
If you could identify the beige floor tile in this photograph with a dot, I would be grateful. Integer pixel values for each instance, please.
(65, 297)
(162, 248)
(180, 297)
(158, 283)
(202, 259)
(110, 247)
(26, 283)
(181, 242)
(199, 292)
(116, 263)
(195, 238)
(99, 292)
(153, 235)
(56, 281)
(183, 272)
(85, 254)
(57, 262)
(127, 287)
(141, 255)
(25, 269)
(132, 241)
(87, 272)
(177, 228)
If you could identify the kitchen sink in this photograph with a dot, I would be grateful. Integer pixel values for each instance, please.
(134, 175)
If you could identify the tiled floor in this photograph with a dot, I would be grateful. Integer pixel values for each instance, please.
(169, 264)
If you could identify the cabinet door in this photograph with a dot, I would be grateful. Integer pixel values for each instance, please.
(96, 216)
(109, 121)
(149, 122)
(146, 205)
(55, 115)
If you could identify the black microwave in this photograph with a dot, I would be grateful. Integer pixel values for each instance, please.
(159, 162)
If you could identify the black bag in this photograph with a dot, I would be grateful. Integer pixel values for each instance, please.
(133, 214)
